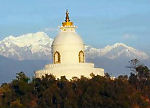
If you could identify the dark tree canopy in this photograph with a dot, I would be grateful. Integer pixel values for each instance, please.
(97, 92)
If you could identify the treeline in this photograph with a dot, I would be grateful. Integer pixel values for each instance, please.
(97, 92)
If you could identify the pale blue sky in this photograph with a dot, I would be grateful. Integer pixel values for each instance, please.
(100, 22)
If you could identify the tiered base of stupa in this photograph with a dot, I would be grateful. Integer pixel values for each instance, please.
(70, 70)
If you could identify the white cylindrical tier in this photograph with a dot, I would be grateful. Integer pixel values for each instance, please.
(79, 65)
(70, 71)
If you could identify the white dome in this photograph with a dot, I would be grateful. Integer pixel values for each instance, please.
(67, 38)
(68, 45)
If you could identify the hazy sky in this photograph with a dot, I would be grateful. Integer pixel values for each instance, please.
(100, 22)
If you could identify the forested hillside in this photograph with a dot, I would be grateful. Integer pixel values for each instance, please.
(97, 92)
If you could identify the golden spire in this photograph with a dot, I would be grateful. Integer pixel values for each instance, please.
(67, 16)
(67, 21)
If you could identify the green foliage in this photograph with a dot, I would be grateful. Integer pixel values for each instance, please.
(97, 92)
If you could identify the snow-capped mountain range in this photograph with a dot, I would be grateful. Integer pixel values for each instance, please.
(35, 46)
(26, 47)
(30, 52)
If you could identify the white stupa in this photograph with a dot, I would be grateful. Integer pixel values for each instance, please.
(68, 55)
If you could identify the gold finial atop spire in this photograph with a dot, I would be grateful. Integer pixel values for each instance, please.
(67, 21)
(67, 16)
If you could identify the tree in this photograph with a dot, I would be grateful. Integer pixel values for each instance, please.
(143, 72)
(22, 77)
(134, 63)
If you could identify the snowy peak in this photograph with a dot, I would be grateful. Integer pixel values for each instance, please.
(122, 50)
(28, 46)
(109, 48)
(116, 51)
(28, 39)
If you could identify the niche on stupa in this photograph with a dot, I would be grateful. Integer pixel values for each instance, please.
(57, 57)
(81, 57)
